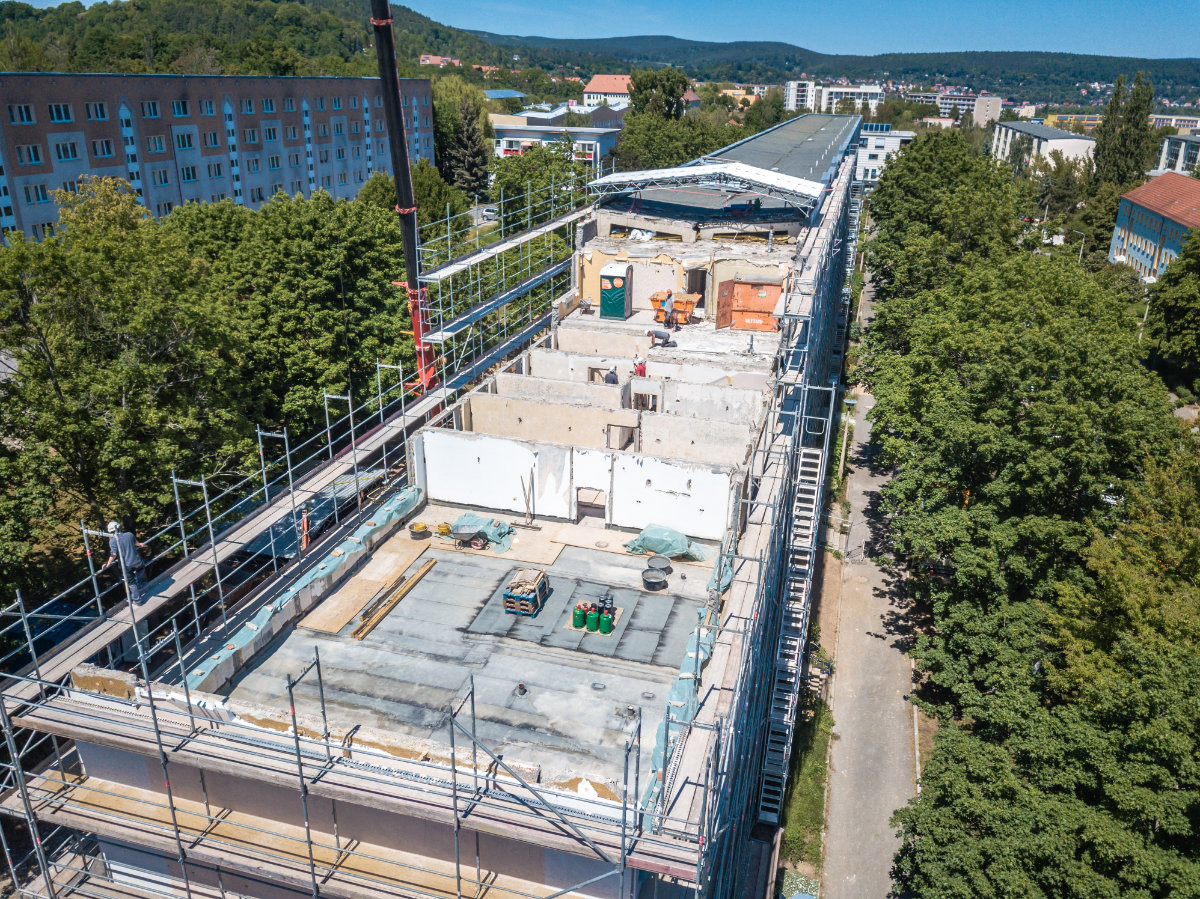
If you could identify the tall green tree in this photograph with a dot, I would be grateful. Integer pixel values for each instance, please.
(658, 92)
(1124, 141)
(649, 142)
(1174, 314)
(455, 103)
(124, 365)
(469, 154)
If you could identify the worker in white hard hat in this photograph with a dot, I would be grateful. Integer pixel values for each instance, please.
(611, 377)
(124, 546)
(639, 367)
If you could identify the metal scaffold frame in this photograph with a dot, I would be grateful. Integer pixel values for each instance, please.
(363, 456)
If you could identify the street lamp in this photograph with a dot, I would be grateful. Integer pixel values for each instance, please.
(1081, 243)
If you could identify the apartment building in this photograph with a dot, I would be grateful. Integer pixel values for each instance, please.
(1179, 153)
(1044, 140)
(187, 139)
(876, 145)
(608, 89)
(514, 134)
(826, 97)
(1153, 221)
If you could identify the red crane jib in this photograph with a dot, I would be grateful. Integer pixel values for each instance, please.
(418, 301)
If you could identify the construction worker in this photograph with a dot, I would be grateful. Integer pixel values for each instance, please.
(639, 367)
(611, 377)
(123, 545)
(663, 338)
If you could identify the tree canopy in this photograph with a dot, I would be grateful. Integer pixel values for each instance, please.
(658, 92)
(1043, 503)
(138, 346)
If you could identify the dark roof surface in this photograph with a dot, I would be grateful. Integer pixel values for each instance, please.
(1045, 132)
(808, 146)
(1171, 195)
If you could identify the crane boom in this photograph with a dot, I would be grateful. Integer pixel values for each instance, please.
(406, 203)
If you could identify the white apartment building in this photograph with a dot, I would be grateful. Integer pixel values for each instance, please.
(824, 97)
(875, 148)
(1045, 140)
(986, 109)
(1179, 153)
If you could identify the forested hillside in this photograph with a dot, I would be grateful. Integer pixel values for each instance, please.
(1044, 502)
(238, 37)
(1040, 75)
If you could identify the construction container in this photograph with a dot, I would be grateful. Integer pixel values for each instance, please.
(747, 305)
(616, 293)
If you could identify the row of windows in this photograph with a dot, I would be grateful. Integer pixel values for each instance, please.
(23, 114)
(36, 194)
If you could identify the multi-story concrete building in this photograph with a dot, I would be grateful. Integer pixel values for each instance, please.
(825, 97)
(514, 134)
(876, 146)
(1043, 140)
(184, 139)
(1153, 221)
(1179, 153)
(1070, 120)
(614, 728)
(986, 109)
(1187, 124)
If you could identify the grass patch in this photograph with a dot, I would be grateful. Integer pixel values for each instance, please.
(804, 805)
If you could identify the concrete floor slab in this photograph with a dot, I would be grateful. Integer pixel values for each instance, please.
(573, 718)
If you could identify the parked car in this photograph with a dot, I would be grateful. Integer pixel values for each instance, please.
(490, 213)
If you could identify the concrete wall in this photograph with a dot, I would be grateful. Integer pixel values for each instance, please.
(711, 401)
(385, 829)
(600, 341)
(484, 471)
(554, 423)
(604, 396)
(556, 364)
(695, 440)
(690, 497)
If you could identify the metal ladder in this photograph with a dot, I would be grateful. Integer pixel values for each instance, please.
(789, 652)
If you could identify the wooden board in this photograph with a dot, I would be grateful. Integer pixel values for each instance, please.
(376, 615)
(387, 563)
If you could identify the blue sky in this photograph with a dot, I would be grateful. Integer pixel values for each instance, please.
(1158, 29)
(1163, 28)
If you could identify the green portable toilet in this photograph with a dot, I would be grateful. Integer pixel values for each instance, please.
(616, 294)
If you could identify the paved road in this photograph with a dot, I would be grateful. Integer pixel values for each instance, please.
(872, 769)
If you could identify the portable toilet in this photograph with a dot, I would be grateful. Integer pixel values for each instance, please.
(616, 292)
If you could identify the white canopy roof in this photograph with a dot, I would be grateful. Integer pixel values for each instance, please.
(719, 175)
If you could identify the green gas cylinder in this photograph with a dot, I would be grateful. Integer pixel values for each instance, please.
(578, 617)
(606, 622)
(593, 619)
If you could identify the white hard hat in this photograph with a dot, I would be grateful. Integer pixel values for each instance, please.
(113, 527)
(614, 368)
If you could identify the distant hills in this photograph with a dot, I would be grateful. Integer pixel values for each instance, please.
(309, 37)
(1025, 73)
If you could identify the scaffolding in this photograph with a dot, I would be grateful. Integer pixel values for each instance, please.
(241, 544)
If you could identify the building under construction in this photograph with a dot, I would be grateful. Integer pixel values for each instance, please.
(425, 653)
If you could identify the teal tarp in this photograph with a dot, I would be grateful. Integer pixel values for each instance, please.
(655, 538)
(397, 507)
(499, 533)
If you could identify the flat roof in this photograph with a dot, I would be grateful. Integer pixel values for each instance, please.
(573, 718)
(808, 146)
(1044, 132)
